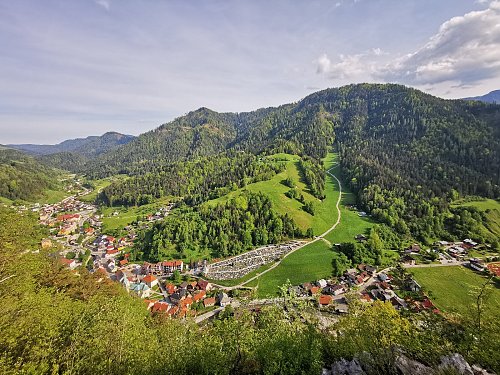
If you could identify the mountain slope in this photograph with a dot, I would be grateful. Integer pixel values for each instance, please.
(22, 177)
(403, 151)
(199, 133)
(491, 97)
(88, 147)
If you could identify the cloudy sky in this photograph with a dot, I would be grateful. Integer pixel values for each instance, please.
(72, 68)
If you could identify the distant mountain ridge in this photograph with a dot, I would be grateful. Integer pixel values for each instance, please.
(88, 147)
(491, 97)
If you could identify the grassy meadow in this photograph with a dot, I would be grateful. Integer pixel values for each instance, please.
(454, 289)
(275, 189)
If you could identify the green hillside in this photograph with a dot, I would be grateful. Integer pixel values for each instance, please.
(486, 227)
(275, 189)
(22, 178)
(402, 152)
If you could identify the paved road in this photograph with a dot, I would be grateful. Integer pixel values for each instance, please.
(317, 238)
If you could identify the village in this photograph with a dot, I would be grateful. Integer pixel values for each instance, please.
(180, 290)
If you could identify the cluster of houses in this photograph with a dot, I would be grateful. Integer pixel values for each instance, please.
(481, 266)
(382, 290)
(447, 251)
(176, 300)
(70, 204)
(110, 245)
(69, 224)
(330, 291)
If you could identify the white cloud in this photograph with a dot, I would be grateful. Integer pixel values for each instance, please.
(323, 63)
(103, 3)
(466, 50)
(349, 66)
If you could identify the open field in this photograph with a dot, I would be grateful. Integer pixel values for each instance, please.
(312, 262)
(54, 196)
(453, 289)
(6, 201)
(98, 186)
(275, 189)
(483, 205)
(351, 223)
(491, 209)
(127, 215)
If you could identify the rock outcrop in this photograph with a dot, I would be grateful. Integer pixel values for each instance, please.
(453, 364)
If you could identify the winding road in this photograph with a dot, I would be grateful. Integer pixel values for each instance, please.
(317, 238)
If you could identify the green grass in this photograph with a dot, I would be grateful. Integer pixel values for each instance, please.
(483, 205)
(491, 208)
(127, 215)
(47, 196)
(351, 224)
(453, 289)
(6, 201)
(312, 262)
(54, 196)
(275, 190)
(99, 185)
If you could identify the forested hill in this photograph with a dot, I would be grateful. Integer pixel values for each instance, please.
(199, 133)
(444, 143)
(89, 147)
(406, 153)
(22, 177)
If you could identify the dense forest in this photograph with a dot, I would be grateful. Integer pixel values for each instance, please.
(54, 321)
(406, 154)
(222, 230)
(22, 177)
(197, 181)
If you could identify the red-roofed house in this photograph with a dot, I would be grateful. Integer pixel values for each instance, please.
(427, 304)
(170, 288)
(150, 281)
(209, 301)
(159, 307)
(71, 263)
(325, 300)
(68, 217)
(203, 285)
(199, 296)
(186, 302)
(314, 290)
(123, 262)
(494, 268)
(89, 230)
(172, 311)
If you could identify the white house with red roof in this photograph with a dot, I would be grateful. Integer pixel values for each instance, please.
(150, 281)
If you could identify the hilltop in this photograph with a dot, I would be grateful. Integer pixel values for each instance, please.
(491, 97)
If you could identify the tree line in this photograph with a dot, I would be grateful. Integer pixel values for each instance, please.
(222, 230)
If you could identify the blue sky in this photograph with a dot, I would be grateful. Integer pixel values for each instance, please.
(72, 68)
